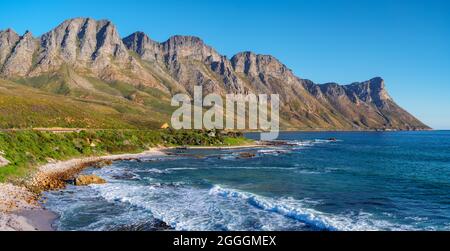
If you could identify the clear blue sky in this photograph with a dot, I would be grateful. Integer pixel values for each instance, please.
(407, 42)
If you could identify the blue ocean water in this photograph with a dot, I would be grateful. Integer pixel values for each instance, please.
(363, 181)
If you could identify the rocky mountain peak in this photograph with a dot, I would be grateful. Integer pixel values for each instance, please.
(145, 47)
(262, 66)
(184, 41)
(189, 62)
(27, 35)
(174, 48)
(189, 46)
(20, 59)
(136, 40)
(373, 85)
(109, 42)
(81, 43)
(332, 89)
(9, 32)
(370, 91)
(243, 62)
(8, 40)
(377, 84)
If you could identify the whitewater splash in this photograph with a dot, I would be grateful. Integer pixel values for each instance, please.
(187, 208)
(317, 220)
(293, 145)
(307, 216)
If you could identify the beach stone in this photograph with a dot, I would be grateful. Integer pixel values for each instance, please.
(85, 180)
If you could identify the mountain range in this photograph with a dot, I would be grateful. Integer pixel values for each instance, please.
(84, 74)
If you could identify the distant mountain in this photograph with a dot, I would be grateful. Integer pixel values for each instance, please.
(87, 61)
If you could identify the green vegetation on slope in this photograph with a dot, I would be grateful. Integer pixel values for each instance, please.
(53, 83)
(26, 107)
(28, 149)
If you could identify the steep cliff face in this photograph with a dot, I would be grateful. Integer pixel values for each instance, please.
(189, 61)
(20, 58)
(8, 40)
(366, 105)
(299, 107)
(81, 42)
(90, 57)
(93, 48)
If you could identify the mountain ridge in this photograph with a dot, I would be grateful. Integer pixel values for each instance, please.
(93, 53)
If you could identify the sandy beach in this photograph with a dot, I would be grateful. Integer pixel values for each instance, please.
(20, 209)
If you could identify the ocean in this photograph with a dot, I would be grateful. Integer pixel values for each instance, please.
(362, 181)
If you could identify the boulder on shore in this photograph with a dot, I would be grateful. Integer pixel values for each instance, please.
(85, 180)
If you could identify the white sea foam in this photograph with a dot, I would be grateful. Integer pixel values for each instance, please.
(165, 170)
(253, 167)
(154, 170)
(189, 208)
(268, 151)
(180, 169)
(300, 143)
(303, 215)
(308, 143)
(184, 207)
(296, 209)
(307, 172)
(274, 152)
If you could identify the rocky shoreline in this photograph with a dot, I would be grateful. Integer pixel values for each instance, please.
(20, 205)
(20, 208)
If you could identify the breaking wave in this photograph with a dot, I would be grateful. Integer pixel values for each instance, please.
(317, 220)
